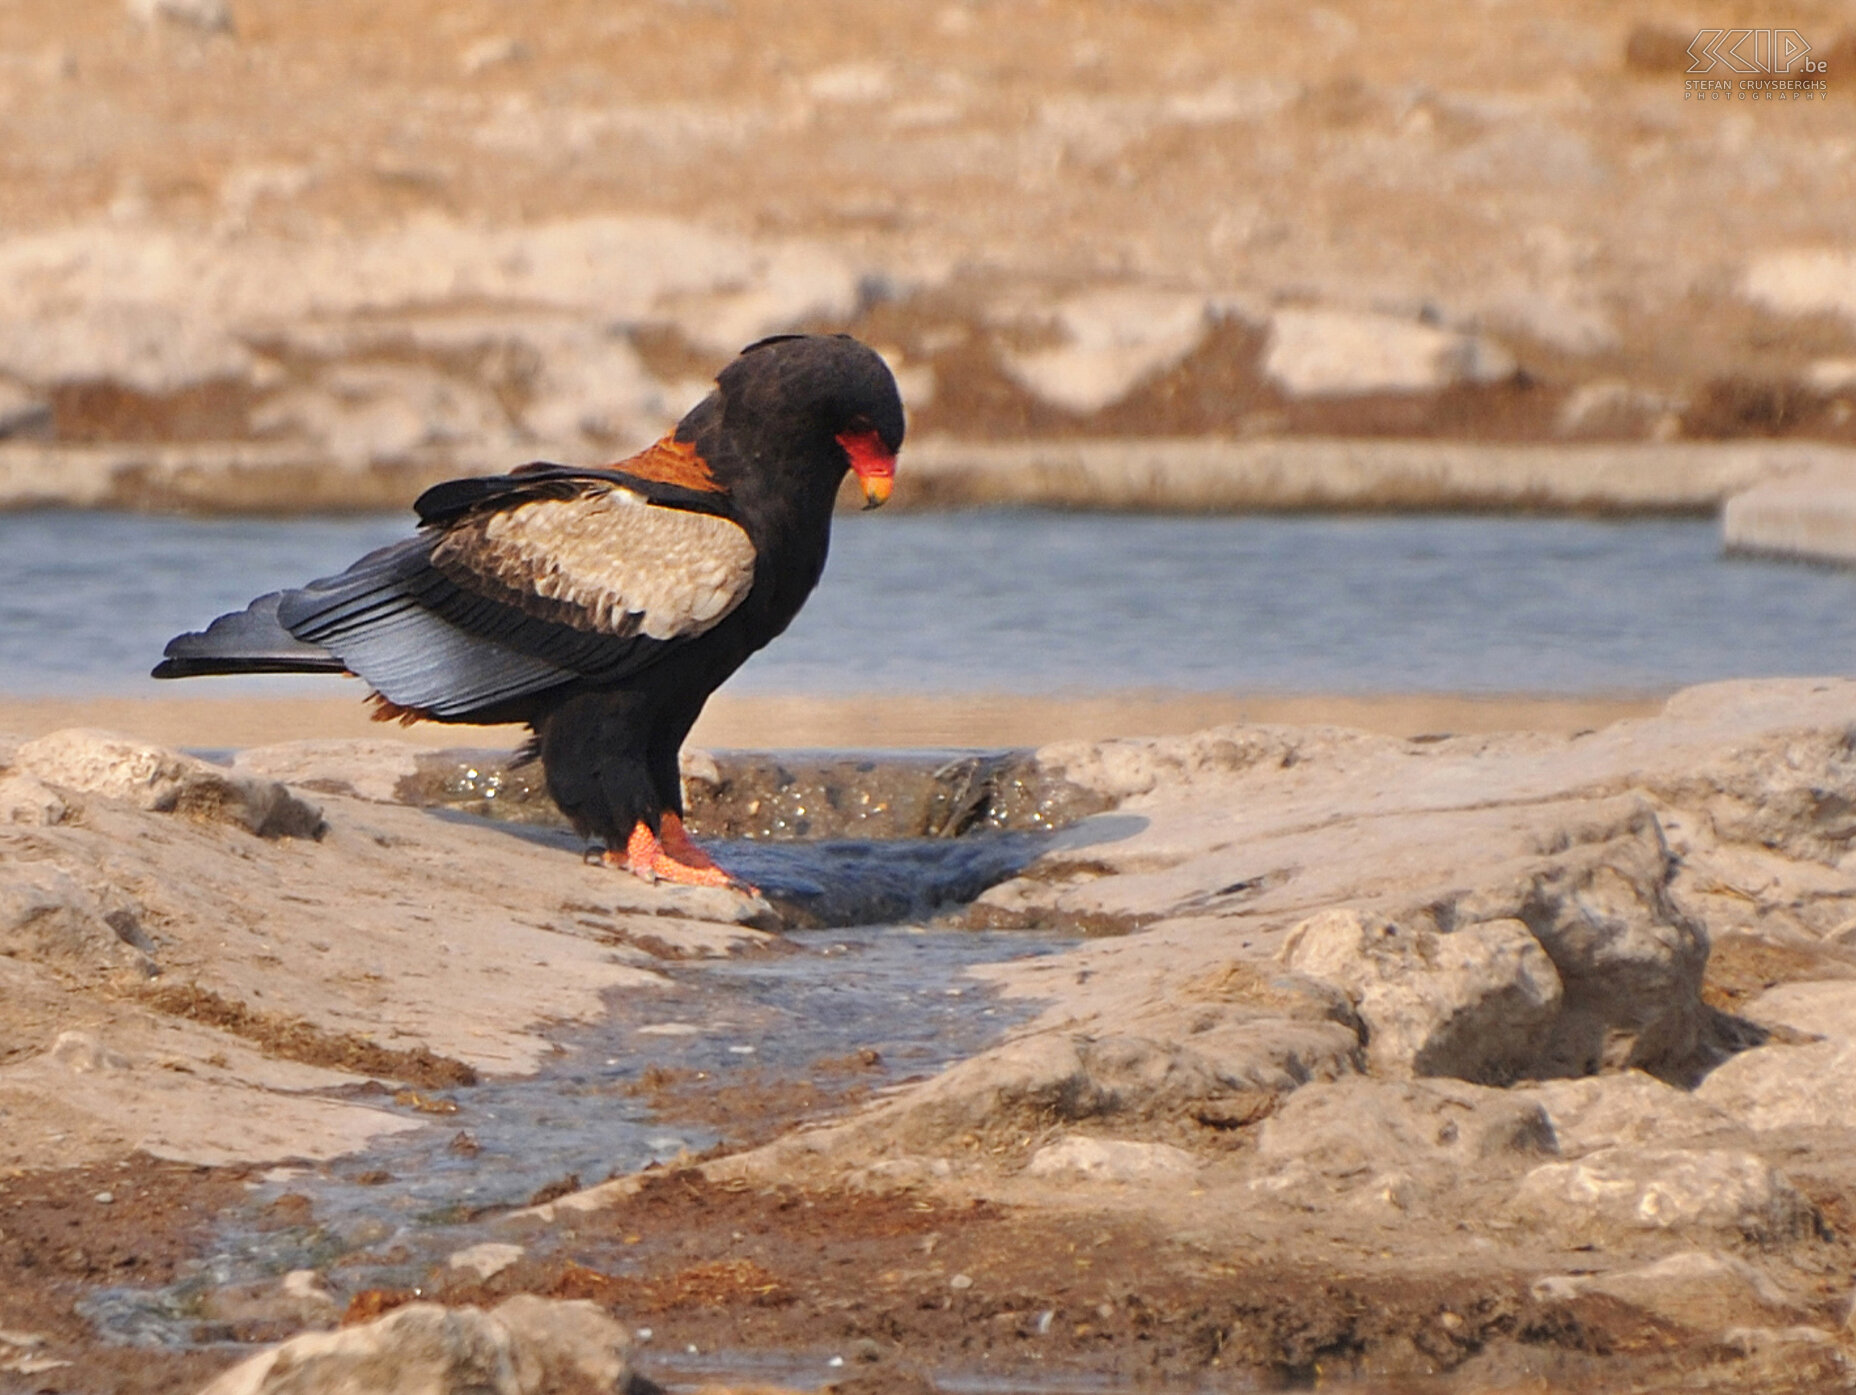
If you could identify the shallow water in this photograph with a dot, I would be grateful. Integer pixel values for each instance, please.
(898, 991)
(1024, 601)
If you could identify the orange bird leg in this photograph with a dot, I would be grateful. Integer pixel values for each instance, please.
(669, 856)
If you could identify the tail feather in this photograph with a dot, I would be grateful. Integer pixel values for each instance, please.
(251, 640)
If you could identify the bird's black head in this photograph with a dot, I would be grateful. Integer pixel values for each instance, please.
(824, 399)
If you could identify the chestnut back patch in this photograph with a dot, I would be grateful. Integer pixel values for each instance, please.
(670, 461)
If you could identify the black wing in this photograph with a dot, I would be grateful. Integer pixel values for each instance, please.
(517, 584)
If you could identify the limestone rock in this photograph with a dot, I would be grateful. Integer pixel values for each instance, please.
(1346, 1125)
(1111, 1160)
(22, 413)
(1115, 338)
(1697, 1288)
(486, 1260)
(1810, 515)
(1722, 1191)
(1810, 1086)
(1825, 1009)
(1477, 1004)
(1631, 1108)
(1803, 282)
(1630, 959)
(1074, 1076)
(360, 413)
(48, 916)
(1324, 353)
(83, 1054)
(208, 16)
(167, 782)
(367, 769)
(525, 1346)
(24, 800)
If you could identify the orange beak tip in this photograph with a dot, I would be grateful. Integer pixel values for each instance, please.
(876, 491)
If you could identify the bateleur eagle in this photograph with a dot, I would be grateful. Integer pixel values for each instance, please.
(601, 607)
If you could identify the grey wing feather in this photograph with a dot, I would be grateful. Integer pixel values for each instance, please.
(251, 640)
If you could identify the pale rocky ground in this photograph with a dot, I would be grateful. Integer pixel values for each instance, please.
(268, 256)
(1575, 1010)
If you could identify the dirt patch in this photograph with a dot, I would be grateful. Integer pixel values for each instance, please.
(296, 1040)
(59, 1240)
(908, 1285)
(1741, 967)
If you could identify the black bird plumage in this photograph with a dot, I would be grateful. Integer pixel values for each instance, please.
(601, 607)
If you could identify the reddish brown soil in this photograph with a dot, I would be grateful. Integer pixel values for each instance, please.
(905, 1288)
(59, 1242)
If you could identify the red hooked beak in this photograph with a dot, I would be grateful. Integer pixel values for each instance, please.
(873, 462)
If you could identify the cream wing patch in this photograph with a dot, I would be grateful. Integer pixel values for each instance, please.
(609, 561)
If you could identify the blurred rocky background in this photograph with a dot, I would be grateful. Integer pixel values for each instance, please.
(320, 254)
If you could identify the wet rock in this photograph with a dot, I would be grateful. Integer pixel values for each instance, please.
(167, 782)
(525, 1346)
(295, 1302)
(1477, 1004)
(1111, 1160)
(1697, 1288)
(1313, 353)
(47, 916)
(1684, 1191)
(487, 1260)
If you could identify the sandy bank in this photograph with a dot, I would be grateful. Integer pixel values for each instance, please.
(875, 722)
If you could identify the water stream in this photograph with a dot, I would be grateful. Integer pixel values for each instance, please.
(893, 999)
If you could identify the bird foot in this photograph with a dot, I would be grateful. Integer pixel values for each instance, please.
(669, 855)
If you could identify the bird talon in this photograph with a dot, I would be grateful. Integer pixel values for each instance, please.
(670, 856)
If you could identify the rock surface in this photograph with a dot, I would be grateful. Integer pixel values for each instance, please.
(523, 1346)
(1562, 1015)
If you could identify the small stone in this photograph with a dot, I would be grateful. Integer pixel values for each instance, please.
(104, 1198)
(525, 1344)
(1328, 353)
(488, 1259)
(1110, 1160)
(961, 1282)
(208, 16)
